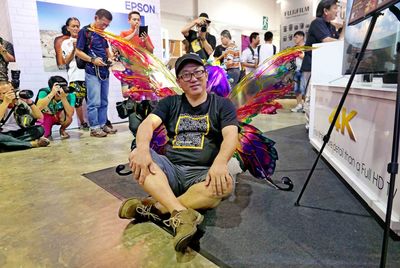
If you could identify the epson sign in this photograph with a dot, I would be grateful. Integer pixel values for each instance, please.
(141, 7)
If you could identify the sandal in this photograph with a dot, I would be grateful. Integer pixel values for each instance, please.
(64, 135)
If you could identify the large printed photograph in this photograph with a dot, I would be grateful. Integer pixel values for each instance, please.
(52, 17)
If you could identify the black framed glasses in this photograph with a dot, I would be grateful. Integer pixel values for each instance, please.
(188, 76)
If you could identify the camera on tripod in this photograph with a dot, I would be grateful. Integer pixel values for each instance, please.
(24, 93)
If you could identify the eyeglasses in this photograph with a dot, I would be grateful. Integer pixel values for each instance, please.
(188, 76)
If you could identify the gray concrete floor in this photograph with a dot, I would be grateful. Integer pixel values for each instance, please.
(51, 216)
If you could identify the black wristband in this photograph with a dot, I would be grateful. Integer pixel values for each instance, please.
(30, 104)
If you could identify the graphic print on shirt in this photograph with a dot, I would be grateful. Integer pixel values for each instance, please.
(190, 131)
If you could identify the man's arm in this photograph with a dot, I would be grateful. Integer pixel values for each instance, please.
(7, 99)
(36, 113)
(328, 39)
(204, 43)
(7, 56)
(185, 30)
(140, 160)
(69, 110)
(44, 101)
(218, 176)
(68, 57)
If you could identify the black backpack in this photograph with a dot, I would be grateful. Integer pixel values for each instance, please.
(81, 64)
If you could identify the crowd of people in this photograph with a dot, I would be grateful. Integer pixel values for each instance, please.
(202, 128)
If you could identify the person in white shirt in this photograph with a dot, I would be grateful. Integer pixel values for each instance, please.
(267, 49)
(76, 76)
(249, 55)
(300, 85)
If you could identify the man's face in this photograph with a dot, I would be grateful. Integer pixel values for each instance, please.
(257, 40)
(101, 24)
(134, 21)
(331, 13)
(298, 39)
(224, 40)
(193, 79)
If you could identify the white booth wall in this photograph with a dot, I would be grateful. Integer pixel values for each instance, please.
(239, 17)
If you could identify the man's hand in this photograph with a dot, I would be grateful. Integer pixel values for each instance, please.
(200, 21)
(141, 164)
(143, 36)
(99, 62)
(62, 93)
(9, 97)
(218, 178)
(54, 90)
(202, 35)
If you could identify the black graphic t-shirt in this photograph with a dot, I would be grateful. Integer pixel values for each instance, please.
(195, 133)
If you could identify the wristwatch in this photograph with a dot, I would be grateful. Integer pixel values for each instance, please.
(92, 59)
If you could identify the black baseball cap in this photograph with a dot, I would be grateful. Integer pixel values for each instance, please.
(185, 59)
(204, 15)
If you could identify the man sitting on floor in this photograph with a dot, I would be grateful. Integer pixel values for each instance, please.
(17, 119)
(193, 174)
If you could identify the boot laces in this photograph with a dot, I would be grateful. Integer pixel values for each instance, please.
(145, 211)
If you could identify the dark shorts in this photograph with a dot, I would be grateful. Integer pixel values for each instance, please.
(80, 92)
(180, 177)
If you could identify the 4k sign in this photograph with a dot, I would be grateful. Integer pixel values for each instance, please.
(343, 122)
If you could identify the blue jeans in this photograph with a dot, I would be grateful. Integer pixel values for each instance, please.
(299, 83)
(97, 100)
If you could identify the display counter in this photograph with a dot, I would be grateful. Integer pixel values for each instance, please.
(360, 145)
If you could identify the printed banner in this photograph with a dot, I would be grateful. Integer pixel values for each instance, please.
(54, 14)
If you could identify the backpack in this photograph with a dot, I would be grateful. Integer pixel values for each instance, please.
(258, 50)
(47, 90)
(81, 64)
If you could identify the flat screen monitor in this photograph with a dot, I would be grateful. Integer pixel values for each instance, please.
(379, 57)
(363, 9)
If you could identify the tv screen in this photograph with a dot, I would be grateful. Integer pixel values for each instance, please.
(379, 58)
(362, 9)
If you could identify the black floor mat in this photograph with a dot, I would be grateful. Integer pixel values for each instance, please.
(260, 226)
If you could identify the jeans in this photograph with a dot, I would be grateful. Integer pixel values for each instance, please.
(234, 74)
(97, 100)
(300, 83)
(21, 138)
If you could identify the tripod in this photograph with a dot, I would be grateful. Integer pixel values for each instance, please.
(392, 167)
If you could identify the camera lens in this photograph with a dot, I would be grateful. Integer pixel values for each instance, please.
(24, 94)
(203, 28)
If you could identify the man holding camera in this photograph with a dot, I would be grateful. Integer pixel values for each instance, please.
(18, 114)
(94, 50)
(6, 56)
(201, 42)
(57, 105)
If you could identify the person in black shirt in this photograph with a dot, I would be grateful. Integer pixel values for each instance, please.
(201, 42)
(321, 30)
(193, 174)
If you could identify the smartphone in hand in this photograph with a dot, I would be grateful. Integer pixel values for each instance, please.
(143, 29)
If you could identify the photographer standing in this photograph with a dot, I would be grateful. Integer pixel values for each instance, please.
(57, 106)
(94, 50)
(76, 76)
(6, 56)
(17, 118)
(201, 42)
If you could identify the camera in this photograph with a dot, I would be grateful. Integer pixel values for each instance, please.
(61, 82)
(23, 94)
(203, 28)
